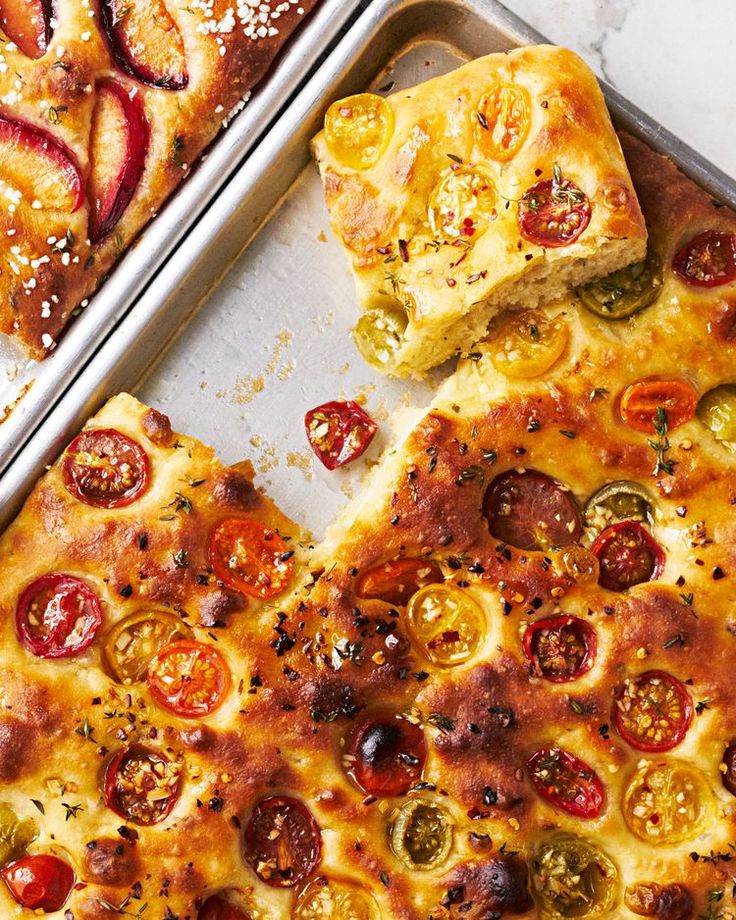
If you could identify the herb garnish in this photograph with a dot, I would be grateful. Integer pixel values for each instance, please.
(662, 444)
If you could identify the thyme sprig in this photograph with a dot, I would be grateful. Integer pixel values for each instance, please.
(662, 445)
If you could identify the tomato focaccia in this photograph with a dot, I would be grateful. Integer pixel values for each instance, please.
(137, 592)
(530, 611)
(104, 107)
(501, 184)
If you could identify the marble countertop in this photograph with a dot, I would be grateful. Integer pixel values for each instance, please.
(674, 58)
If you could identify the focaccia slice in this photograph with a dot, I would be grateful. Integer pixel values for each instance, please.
(498, 185)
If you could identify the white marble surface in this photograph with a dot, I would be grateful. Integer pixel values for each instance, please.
(673, 58)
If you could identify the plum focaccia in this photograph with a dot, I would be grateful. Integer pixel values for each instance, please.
(503, 688)
(104, 107)
(500, 184)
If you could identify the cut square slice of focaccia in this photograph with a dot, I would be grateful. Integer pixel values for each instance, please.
(500, 184)
(138, 554)
(536, 587)
(104, 109)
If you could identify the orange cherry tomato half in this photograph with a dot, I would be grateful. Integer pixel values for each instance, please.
(640, 402)
(339, 432)
(553, 213)
(57, 616)
(653, 711)
(560, 648)
(503, 121)
(707, 260)
(532, 511)
(220, 907)
(385, 755)
(40, 882)
(567, 782)
(395, 582)
(250, 557)
(282, 842)
(188, 678)
(627, 555)
(105, 468)
(142, 785)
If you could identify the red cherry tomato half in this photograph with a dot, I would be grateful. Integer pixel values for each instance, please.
(396, 581)
(218, 907)
(531, 511)
(250, 557)
(142, 785)
(282, 842)
(188, 678)
(385, 755)
(627, 556)
(653, 711)
(567, 782)
(339, 432)
(708, 260)
(57, 616)
(553, 213)
(560, 648)
(42, 882)
(640, 402)
(105, 468)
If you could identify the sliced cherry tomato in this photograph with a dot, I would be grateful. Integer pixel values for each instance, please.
(133, 642)
(616, 502)
(567, 782)
(625, 291)
(379, 334)
(328, 898)
(503, 120)
(421, 835)
(554, 212)
(385, 755)
(528, 344)
(627, 556)
(708, 260)
(282, 842)
(396, 581)
(105, 468)
(653, 711)
(573, 878)
(339, 432)
(222, 906)
(463, 203)
(142, 785)
(640, 403)
(728, 768)
(358, 129)
(717, 411)
(446, 624)
(189, 678)
(40, 882)
(560, 648)
(531, 511)
(16, 834)
(250, 557)
(57, 616)
(667, 803)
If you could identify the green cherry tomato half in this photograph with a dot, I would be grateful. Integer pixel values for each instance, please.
(618, 501)
(379, 335)
(717, 411)
(16, 834)
(626, 291)
(421, 834)
(573, 878)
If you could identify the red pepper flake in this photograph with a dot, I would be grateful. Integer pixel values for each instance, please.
(403, 251)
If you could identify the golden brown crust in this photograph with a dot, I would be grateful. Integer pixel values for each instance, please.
(47, 265)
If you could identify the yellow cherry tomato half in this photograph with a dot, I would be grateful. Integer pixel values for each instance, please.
(502, 121)
(462, 203)
(358, 129)
(445, 623)
(133, 642)
(528, 344)
(328, 898)
(667, 802)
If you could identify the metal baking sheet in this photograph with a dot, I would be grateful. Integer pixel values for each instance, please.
(247, 326)
(29, 388)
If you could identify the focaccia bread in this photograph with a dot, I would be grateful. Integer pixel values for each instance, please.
(89, 593)
(104, 107)
(501, 184)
